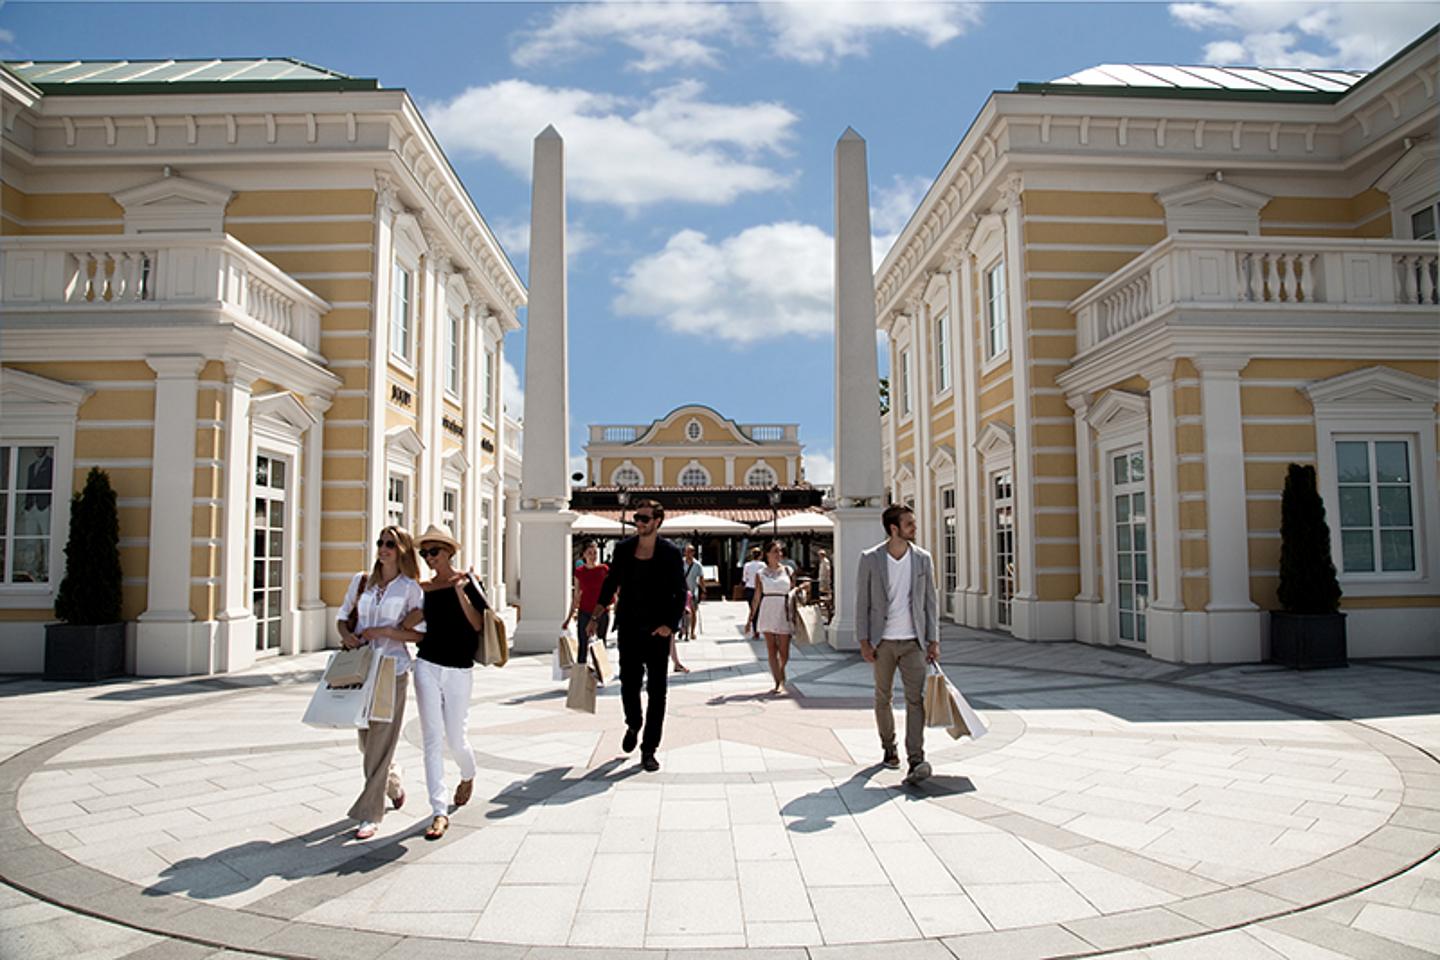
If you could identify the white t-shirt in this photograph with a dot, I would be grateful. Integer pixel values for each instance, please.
(751, 571)
(899, 620)
(386, 610)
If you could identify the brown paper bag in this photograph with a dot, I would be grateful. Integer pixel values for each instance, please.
(382, 700)
(600, 662)
(349, 668)
(946, 707)
(808, 627)
(581, 694)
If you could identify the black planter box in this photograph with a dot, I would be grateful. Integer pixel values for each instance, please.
(1308, 641)
(84, 652)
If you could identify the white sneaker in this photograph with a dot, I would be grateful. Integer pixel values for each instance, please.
(366, 830)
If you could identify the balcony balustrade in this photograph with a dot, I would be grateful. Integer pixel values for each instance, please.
(1268, 275)
(161, 273)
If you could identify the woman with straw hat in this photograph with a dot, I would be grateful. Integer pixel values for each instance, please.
(454, 610)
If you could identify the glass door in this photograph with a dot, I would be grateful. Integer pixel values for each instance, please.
(267, 583)
(948, 547)
(1003, 488)
(1132, 546)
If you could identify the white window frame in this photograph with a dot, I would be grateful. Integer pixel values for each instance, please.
(488, 407)
(694, 430)
(907, 380)
(482, 554)
(42, 412)
(761, 465)
(1372, 485)
(693, 465)
(454, 354)
(615, 479)
(989, 327)
(993, 469)
(1121, 420)
(281, 452)
(402, 327)
(1346, 407)
(450, 516)
(11, 453)
(944, 375)
(406, 479)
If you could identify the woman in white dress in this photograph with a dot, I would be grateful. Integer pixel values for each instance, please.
(769, 611)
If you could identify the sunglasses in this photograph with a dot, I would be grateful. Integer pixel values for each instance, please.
(382, 543)
(431, 551)
(643, 518)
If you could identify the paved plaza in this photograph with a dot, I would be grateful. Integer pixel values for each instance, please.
(1119, 806)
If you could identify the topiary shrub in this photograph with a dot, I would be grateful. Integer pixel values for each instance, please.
(1307, 573)
(90, 592)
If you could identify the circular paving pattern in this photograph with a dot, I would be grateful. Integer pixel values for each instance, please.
(1107, 809)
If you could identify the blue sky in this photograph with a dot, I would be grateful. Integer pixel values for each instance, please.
(700, 138)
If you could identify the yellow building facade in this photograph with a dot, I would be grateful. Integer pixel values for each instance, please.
(1131, 298)
(694, 446)
(254, 293)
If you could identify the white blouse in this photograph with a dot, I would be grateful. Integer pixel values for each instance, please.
(387, 609)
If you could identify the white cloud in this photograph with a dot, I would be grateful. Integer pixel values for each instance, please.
(891, 207)
(578, 464)
(660, 34)
(765, 282)
(514, 236)
(512, 396)
(819, 467)
(820, 30)
(7, 37)
(695, 150)
(1304, 33)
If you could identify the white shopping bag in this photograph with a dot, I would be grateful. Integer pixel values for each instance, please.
(946, 706)
(345, 708)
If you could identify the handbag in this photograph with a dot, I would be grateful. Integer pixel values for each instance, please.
(353, 620)
(349, 668)
(344, 708)
(946, 707)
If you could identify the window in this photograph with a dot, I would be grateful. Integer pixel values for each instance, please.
(1003, 491)
(626, 476)
(482, 560)
(693, 431)
(489, 382)
(26, 497)
(760, 475)
(942, 353)
(397, 501)
(401, 304)
(1132, 547)
(997, 335)
(450, 510)
(694, 475)
(905, 405)
(452, 354)
(1423, 221)
(949, 550)
(267, 583)
(1377, 505)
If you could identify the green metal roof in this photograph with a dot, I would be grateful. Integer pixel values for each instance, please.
(261, 75)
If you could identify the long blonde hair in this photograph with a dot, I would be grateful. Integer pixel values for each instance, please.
(406, 559)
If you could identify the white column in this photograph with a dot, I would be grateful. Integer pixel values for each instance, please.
(658, 465)
(729, 469)
(168, 642)
(387, 206)
(1087, 602)
(430, 380)
(1165, 623)
(924, 486)
(961, 382)
(545, 517)
(968, 382)
(315, 625)
(500, 533)
(859, 480)
(235, 642)
(1233, 621)
(892, 431)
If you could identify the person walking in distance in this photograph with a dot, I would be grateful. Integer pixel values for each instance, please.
(694, 574)
(748, 573)
(770, 611)
(588, 578)
(896, 623)
(650, 572)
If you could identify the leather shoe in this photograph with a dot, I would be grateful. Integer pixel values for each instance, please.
(918, 771)
(632, 737)
(648, 763)
(438, 826)
(463, 791)
(399, 801)
(891, 760)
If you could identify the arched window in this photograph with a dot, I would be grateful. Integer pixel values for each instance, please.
(626, 476)
(693, 430)
(760, 475)
(694, 475)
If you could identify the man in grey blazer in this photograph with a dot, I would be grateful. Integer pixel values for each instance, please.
(895, 621)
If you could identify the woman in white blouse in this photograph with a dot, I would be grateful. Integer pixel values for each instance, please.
(390, 607)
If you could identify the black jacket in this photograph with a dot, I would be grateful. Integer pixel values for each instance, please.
(652, 592)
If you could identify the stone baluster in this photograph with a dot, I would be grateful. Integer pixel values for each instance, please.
(1272, 276)
(1257, 279)
(1307, 276)
(1289, 280)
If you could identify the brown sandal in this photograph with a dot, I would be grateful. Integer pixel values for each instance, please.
(463, 791)
(438, 826)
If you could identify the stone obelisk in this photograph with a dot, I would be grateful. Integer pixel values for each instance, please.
(859, 482)
(545, 517)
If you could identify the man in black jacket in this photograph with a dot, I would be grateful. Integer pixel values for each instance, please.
(650, 574)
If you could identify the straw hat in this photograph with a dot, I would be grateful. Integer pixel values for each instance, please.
(438, 534)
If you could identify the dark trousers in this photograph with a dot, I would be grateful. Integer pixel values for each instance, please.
(642, 654)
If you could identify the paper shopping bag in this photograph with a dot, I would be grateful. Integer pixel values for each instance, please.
(493, 650)
(566, 653)
(581, 694)
(349, 668)
(332, 708)
(600, 663)
(946, 707)
(382, 699)
(808, 627)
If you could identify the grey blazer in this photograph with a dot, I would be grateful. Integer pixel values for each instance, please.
(872, 595)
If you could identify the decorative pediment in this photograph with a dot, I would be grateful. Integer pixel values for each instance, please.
(989, 236)
(24, 394)
(285, 408)
(1212, 206)
(1411, 182)
(409, 239)
(1374, 391)
(714, 426)
(996, 439)
(455, 463)
(174, 203)
(1118, 409)
(404, 440)
(904, 473)
(942, 458)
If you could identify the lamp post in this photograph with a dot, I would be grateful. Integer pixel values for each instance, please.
(775, 512)
(623, 498)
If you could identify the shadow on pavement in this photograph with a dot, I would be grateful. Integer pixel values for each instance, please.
(819, 809)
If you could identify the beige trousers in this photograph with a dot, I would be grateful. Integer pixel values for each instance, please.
(382, 774)
(907, 655)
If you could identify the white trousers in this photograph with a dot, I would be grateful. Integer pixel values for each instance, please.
(443, 697)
